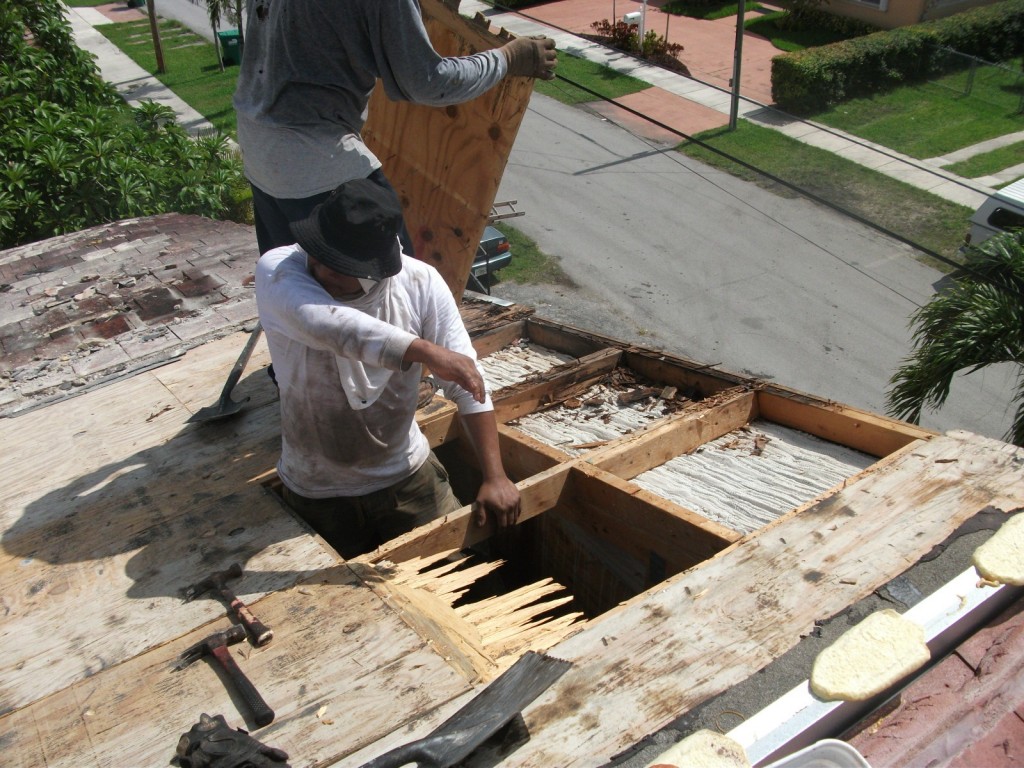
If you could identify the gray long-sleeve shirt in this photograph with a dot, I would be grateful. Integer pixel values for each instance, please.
(308, 68)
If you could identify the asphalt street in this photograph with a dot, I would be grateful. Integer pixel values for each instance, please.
(670, 253)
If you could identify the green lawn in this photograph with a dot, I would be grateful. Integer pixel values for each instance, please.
(529, 263)
(190, 64)
(913, 214)
(931, 119)
(605, 81)
(708, 11)
(989, 162)
(786, 39)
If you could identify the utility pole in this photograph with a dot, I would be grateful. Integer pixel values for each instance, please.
(737, 61)
(643, 26)
(155, 30)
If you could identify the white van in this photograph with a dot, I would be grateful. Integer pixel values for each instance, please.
(1002, 211)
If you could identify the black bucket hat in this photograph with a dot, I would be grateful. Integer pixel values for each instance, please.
(355, 230)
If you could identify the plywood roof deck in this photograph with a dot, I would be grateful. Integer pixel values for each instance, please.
(127, 504)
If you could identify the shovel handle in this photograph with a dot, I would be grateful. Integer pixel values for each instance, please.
(262, 714)
(243, 359)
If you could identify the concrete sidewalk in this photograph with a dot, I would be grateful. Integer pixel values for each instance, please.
(133, 82)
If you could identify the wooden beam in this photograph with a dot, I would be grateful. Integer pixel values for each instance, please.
(678, 435)
(498, 338)
(524, 455)
(458, 531)
(682, 373)
(563, 338)
(439, 422)
(649, 528)
(866, 432)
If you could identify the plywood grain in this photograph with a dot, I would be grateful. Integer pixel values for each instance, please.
(446, 162)
(337, 649)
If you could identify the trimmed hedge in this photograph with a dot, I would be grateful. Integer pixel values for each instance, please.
(814, 79)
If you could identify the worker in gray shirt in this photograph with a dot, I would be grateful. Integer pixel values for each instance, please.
(308, 69)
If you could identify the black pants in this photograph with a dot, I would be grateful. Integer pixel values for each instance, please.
(274, 216)
(354, 525)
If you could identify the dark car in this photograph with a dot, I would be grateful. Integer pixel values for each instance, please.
(493, 253)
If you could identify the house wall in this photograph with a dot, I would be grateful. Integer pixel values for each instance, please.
(889, 14)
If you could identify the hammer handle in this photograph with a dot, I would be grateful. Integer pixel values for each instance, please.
(258, 631)
(261, 713)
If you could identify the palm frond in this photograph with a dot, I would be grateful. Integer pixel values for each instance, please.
(977, 322)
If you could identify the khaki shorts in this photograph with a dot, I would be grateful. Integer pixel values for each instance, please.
(354, 525)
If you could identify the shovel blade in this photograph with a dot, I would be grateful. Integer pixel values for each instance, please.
(221, 410)
(490, 710)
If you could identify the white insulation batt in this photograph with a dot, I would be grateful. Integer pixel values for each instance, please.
(594, 417)
(518, 362)
(753, 475)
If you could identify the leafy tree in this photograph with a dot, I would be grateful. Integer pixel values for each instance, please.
(976, 323)
(75, 155)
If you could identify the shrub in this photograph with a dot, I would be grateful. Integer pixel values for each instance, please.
(808, 81)
(625, 37)
(75, 155)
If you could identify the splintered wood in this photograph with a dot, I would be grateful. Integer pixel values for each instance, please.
(754, 474)
(531, 618)
(519, 362)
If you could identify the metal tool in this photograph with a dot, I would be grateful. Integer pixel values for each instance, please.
(226, 406)
(260, 633)
(490, 710)
(216, 645)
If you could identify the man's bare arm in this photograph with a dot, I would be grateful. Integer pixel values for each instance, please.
(448, 365)
(498, 496)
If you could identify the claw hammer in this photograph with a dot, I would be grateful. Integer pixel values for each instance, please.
(216, 645)
(261, 634)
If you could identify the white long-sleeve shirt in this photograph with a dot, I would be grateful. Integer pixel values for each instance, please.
(347, 405)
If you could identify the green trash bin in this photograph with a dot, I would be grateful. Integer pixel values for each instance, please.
(230, 46)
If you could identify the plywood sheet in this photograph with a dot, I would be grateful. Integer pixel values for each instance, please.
(446, 163)
(114, 505)
(338, 651)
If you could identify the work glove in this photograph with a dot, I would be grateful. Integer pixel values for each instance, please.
(212, 743)
(531, 57)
